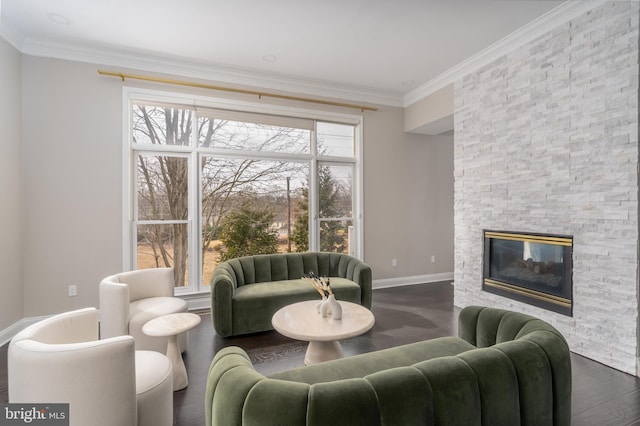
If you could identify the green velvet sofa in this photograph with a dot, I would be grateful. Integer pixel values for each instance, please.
(503, 369)
(247, 291)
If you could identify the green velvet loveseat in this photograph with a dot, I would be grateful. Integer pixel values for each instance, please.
(504, 369)
(247, 291)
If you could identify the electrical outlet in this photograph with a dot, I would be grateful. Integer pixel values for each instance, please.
(73, 290)
(433, 259)
(394, 262)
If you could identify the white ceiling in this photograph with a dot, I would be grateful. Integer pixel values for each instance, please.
(378, 48)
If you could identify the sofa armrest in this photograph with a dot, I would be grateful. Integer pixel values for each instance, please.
(223, 286)
(231, 377)
(468, 323)
(527, 341)
(114, 308)
(363, 277)
(484, 327)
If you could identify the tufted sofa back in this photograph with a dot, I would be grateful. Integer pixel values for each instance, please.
(484, 327)
(289, 266)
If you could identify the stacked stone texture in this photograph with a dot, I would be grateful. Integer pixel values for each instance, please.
(546, 140)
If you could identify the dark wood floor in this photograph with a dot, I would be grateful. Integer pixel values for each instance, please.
(601, 395)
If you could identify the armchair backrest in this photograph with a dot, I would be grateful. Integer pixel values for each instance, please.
(59, 360)
(117, 291)
(69, 327)
(143, 283)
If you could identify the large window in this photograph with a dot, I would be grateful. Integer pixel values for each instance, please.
(208, 183)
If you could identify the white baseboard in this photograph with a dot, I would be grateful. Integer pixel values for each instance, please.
(198, 302)
(416, 279)
(7, 334)
(203, 301)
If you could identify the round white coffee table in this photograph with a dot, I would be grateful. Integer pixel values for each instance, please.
(301, 321)
(171, 326)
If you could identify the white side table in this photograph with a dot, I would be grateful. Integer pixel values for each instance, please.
(171, 326)
(301, 321)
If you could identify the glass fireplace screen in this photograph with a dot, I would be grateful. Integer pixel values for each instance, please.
(532, 268)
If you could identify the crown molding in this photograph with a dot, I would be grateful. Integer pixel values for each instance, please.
(10, 33)
(155, 63)
(536, 28)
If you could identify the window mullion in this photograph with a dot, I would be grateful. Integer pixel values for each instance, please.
(358, 193)
(314, 228)
(195, 194)
(225, 153)
(193, 260)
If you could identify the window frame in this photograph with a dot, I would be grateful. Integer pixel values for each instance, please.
(195, 153)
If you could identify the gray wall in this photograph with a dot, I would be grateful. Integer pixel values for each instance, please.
(432, 114)
(547, 141)
(72, 146)
(408, 198)
(11, 297)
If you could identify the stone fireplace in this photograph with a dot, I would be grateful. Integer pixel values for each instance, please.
(546, 141)
(532, 268)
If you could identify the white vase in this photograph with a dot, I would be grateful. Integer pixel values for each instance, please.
(331, 306)
(319, 305)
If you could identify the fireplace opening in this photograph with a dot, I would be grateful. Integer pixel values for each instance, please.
(531, 268)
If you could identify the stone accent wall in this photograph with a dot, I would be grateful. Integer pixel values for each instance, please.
(546, 140)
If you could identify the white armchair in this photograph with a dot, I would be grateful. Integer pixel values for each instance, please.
(105, 382)
(128, 300)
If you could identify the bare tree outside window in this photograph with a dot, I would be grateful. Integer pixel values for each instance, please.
(225, 184)
(162, 189)
(212, 184)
